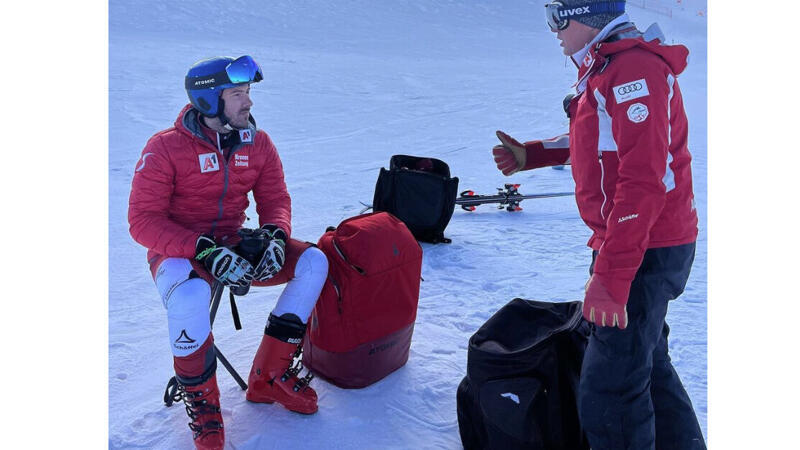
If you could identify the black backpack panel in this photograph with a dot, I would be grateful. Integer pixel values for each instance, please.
(420, 192)
(523, 369)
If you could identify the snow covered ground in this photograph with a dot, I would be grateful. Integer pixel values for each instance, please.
(347, 85)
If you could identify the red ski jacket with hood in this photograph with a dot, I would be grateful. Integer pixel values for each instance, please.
(627, 145)
(183, 186)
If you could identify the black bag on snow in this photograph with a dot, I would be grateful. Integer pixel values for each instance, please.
(523, 367)
(420, 192)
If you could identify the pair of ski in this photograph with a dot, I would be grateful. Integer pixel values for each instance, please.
(507, 198)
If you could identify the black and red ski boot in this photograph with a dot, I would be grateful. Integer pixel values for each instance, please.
(202, 406)
(195, 384)
(274, 375)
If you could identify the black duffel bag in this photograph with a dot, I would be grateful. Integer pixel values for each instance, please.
(523, 368)
(420, 192)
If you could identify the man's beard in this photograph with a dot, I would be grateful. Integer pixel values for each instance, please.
(241, 121)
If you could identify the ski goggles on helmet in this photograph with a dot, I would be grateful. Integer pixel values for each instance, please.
(243, 69)
(558, 14)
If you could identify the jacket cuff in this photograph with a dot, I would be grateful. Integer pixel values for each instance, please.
(283, 226)
(618, 288)
(537, 156)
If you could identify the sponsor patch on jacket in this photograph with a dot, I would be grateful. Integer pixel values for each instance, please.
(587, 60)
(246, 136)
(638, 112)
(630, 91)
(241, 160)
(208, 162)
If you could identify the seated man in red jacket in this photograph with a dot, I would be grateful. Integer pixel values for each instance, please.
(187, 203)
(627, 144)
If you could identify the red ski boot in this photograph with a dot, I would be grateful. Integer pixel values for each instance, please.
(200, 394)
(202, 406)
(273, 377)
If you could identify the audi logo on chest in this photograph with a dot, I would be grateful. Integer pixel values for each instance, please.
(628, 88)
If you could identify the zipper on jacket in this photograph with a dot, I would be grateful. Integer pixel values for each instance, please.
(224, 186)
(602, 186)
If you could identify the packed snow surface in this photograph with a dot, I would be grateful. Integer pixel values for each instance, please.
(347, 85)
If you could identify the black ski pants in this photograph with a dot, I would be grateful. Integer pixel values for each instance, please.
(630, 396)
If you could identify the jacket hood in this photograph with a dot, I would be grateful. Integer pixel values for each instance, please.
(676, 56)
(620, 36)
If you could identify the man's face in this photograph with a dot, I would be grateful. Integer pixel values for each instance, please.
(237, 105)
(575, 36)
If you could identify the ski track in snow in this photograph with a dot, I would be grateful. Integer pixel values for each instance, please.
(347, 86)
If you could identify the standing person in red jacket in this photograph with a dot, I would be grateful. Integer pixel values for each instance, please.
(187, 203)
(627, 144)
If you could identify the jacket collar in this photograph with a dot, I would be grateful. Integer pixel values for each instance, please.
(579, 56)
(188, 122)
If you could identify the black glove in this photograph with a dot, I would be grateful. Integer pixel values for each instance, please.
(274, 253)
(223, 263)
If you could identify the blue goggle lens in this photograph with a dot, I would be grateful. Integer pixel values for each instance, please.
(244, 70)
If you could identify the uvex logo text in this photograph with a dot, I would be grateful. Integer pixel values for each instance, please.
(573, 11)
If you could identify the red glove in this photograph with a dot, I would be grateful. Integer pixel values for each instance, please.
(601, 308)
(510, 155)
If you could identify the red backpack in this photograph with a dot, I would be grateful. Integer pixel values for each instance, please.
(360, 329)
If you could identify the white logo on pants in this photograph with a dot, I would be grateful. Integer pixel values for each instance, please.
(186, 300)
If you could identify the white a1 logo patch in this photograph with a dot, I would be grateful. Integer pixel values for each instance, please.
(638, 112)
(246, 136)
(209, 162)
(630, 91)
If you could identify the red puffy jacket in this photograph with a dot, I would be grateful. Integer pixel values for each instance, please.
(184, 187)
(627, 144)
